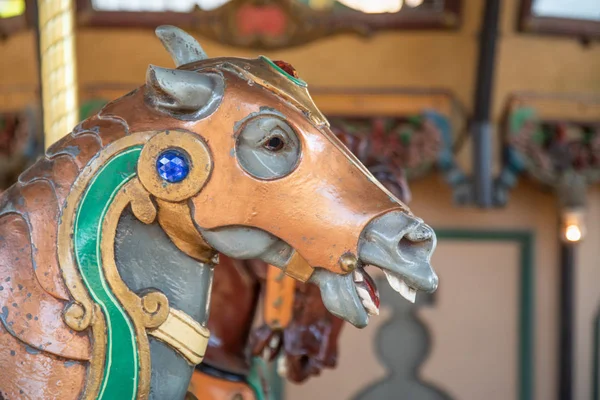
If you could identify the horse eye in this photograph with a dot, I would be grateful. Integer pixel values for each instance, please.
(275, 144)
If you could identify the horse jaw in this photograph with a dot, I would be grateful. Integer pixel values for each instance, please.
(399, 244)
(244, 243)
(341, 297)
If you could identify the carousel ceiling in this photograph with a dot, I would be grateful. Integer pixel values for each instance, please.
(270, 24)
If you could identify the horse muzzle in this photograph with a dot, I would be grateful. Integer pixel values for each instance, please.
(401, 246)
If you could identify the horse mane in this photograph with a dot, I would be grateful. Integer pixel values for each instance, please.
(30, 214)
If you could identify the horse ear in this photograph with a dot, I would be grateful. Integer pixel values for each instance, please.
(184, 94)
(184, 49)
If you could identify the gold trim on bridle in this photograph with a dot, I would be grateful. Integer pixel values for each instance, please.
(150, 313)
(184, 334)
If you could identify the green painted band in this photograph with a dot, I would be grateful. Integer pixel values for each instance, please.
(259, 375)
(120, 379)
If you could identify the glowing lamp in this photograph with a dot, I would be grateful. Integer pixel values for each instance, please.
(374, 6)
(573, 226)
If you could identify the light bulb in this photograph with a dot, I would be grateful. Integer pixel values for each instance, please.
(374, 6)
(413, 3)
(573, 233)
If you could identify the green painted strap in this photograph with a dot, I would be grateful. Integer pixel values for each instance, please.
(120, 378)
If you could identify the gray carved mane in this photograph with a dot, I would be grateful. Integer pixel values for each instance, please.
(147, 259)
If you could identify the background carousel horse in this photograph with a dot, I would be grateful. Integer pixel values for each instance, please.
(307, 344)
(108, 243)
(231, 368)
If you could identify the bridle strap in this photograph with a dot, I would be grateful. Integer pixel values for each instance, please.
(298, 268)
(279, 298)
(184, 334)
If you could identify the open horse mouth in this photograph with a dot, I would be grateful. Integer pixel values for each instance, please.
(367, 291)
(401, 246)
(369, 294)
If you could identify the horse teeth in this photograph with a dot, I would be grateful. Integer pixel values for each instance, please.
(370, 307)
(401, 287)
(358, 276)
(367, 302)
(282, 367)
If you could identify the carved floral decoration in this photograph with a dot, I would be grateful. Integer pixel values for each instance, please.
(396, 149)
(286, 23)
(550, 151)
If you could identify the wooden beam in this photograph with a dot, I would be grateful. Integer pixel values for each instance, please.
(580, 108)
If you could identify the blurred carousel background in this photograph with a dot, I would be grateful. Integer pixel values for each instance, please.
(489, 109)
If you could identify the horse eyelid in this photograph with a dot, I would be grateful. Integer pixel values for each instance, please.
(279, 133)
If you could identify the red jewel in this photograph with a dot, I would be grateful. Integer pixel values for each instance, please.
(287, 68)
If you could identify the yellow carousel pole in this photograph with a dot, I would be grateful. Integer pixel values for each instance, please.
(56, 24)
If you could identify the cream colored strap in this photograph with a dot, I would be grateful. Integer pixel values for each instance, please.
(184, 334)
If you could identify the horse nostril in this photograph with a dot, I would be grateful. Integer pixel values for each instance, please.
(408, 244)
(405, 243)
(421, 233)
(417, 243)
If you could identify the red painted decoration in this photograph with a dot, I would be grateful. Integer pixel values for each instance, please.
(261, 20)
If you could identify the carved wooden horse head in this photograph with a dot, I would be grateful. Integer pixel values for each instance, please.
(109, 242)
(298, 198)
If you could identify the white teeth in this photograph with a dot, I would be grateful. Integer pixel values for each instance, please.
(282, 367)
(370, 307)
(367, 302)
(364, 295)
(358, 276)
(401, 287)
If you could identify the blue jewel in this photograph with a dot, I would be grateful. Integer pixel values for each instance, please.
(173, 166)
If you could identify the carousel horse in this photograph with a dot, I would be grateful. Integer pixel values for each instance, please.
(109, 242)
(231, 368)
(301, 329)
